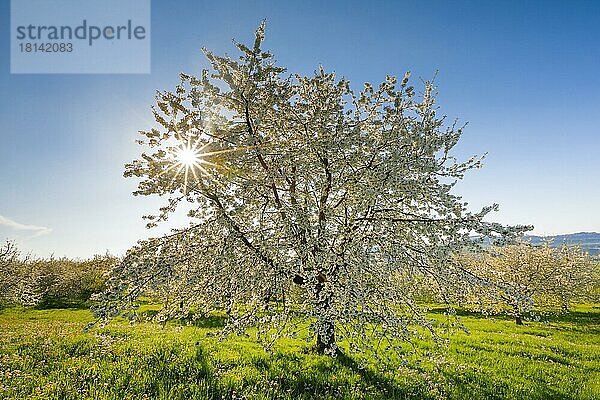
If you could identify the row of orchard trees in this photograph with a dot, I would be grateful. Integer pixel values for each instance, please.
(511, 279)
(518, 277)
(50, 282)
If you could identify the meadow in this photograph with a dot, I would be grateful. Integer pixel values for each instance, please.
(45, 354)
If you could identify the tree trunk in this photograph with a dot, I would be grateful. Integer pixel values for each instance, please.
(518, 320)
(326, 341)
(326, 328)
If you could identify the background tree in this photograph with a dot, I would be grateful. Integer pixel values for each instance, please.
(521, 276)
(52, 282)
(577, 277)
(62, 282)
(18, 277)
(308, 201)
(9, 255)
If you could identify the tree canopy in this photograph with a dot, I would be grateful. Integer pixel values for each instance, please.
(310, 203)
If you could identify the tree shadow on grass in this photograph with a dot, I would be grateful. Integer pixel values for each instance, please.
(382, 383)
(203, 321)
(324, 378)
(460, 312)
(280, 376)
(587, 318)
(588, 321)
(210, 321)
(54, 303)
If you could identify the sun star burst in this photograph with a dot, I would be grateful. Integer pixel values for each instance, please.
(190, 160)
(194, 161)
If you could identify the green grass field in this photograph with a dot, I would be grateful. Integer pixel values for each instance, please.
(44, 354)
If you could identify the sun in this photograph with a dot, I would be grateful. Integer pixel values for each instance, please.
(188, 157)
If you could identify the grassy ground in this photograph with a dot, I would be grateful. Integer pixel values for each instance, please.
(45, 355)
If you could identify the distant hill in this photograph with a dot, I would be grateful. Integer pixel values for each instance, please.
(589, 241)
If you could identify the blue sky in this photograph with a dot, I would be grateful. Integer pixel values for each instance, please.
(523, 74)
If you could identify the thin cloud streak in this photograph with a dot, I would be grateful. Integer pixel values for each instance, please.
(34, 229)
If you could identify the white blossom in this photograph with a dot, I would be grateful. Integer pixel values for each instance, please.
(309, 203)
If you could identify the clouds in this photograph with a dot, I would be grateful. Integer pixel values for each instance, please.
(32, 230)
